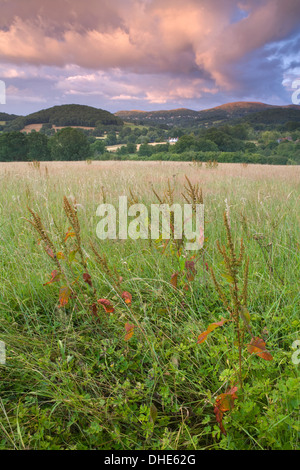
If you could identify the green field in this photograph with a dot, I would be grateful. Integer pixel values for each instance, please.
(76, 377)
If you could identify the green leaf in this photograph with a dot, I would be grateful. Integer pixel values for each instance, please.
(153, 413)
(72, 255)
(245, 315)
(228, 278)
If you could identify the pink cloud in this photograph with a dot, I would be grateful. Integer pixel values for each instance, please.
(193, 47)
(141, 36)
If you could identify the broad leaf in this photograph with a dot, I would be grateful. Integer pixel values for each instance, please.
(127, 297)
(153, 413)
(72, 255)
(245, 315)
(258, 346)
(224, 402)
(203, 336)
(87, 278)
(55, 276)
(174, 279)
(129, 331)
(49, 251)
(64, 295)
(190, 270)
(106, 305)
(228, 278)
(94, 310)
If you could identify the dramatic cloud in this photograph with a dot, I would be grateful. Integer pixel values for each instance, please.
(151, 51)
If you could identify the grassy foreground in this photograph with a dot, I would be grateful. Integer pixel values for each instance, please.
(74, 380)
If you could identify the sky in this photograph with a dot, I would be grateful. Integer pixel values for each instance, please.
(147, 54)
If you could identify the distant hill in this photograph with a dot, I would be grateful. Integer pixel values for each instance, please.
(260, 112)
(173, 117)
(230, 111)
(68, 115)
(73, 115)
(255, 113)
(274, 116)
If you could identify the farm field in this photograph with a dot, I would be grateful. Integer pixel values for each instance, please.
(37, 127)
(114, 148)
(142, 369)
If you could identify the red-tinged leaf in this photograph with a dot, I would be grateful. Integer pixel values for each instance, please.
(106, 305)
(219, 418)
(87, 278)
(258, 346)
(129, 331)
(70, 233)
(127, 297)
(94, 310)
(64, 295)
(60, 255)
(49, 251)
(190, 270)
(202, 337)
(55, 276)
(224, 402)
(174, 279)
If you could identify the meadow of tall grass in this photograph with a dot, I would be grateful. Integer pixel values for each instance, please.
(129, 372)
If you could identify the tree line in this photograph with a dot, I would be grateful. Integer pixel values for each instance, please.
(67, 144)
